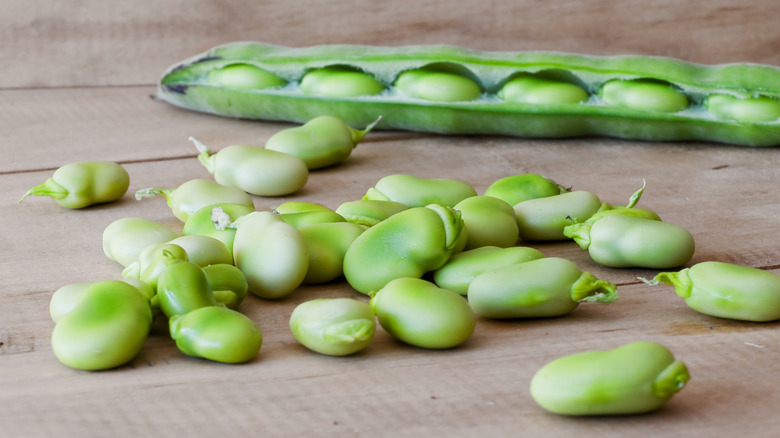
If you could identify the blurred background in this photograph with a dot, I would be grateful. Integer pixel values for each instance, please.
(78, 43)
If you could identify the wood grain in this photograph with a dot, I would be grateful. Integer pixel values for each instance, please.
(76, 85)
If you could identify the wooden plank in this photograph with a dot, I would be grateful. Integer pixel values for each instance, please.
(110, 55)
(48, 128)
(94, 43)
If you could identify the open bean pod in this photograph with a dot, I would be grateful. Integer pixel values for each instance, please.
(526, 94)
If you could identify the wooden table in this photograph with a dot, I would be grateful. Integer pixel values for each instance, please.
(75, 86)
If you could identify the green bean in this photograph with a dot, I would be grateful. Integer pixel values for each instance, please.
(407, 244)
(145, 289)
(204, 250)
(255, 170)
(66, 298)
(333, 326)
(195, 194)
(228, 284)
(462, 268)
(414, 191)
(634, 378)
(545, 218)
(244, 76)
(214, 221)
(542, 88)
(153, 261)
(369, 212)
(300, 214)
(183, 287)
(580, 228)
(745, 109)
(124, 239)
(216, 333)
(621, 241)
(480, 110)
(293, 207)
(545, 287)
(340, 81)
(321, 142)
(489, 221)
(521, 187)
(306, 218)
(438, 82)
(79, 185)
(106, 328)
(422, 314)
(643, 95)
(326, 244)
(727, 290)
(271, 253)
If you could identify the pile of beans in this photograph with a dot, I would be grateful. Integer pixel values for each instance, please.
(430, 254)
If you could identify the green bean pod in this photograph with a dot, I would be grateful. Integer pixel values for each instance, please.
(79, 185)
(623, 92)
(105, 329)
(727, 291)
(631, 379)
